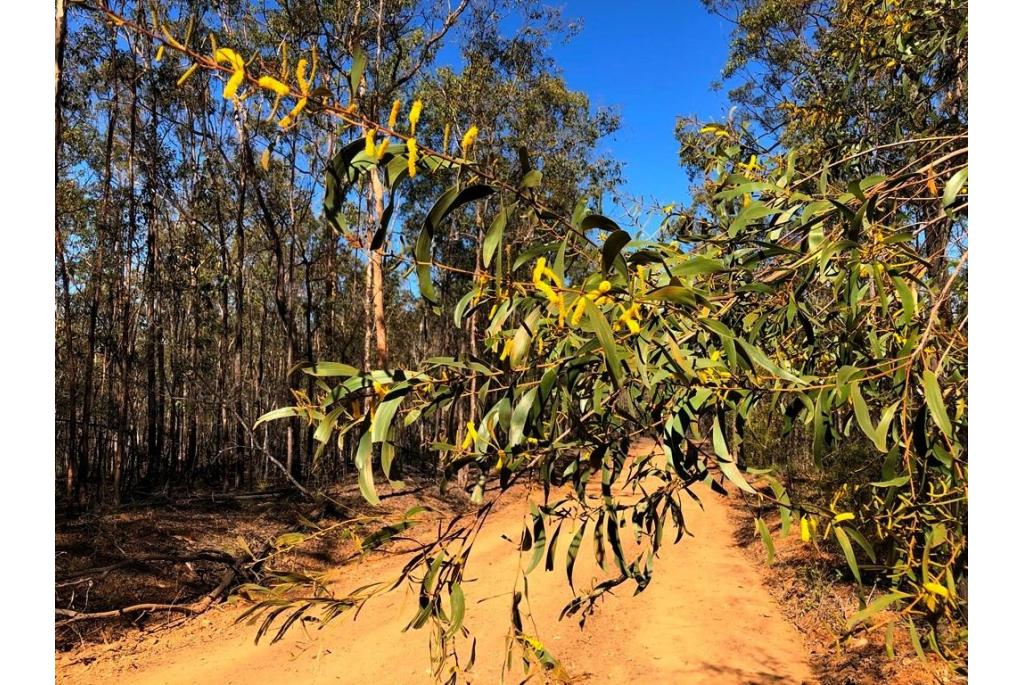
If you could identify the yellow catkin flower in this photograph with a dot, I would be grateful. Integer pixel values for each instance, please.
(538, 269)
(414, 115)
(469, 138)
(371, 147)
(805, 529)
(289, 118)
(188, 73)
(300, 76)
(413, 153)
(272, 84)
(159, 53)
(393, 117)
(471, 436)
(229, 57)
(231, 89)
(447, 135)
(382, 148)
(629, 318)
(506, 351)
(237, 64)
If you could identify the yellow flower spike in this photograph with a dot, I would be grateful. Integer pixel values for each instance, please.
(471, 436)
(229, 57)
(159, 53)
(371, 147)
(272, 84)
(469, 138)
(805, 529)
(235, 61)
(413, 153)
(577, 312)
(170, 39)
(382, 148)
(300, 76)
(414, 115)
(393, 117)
(538, 269)
(447, 135)
(506, 351)
(289, 118)
(604, 286)
(231, 89)
(188, 73)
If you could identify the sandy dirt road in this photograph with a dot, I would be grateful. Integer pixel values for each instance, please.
(705, 618)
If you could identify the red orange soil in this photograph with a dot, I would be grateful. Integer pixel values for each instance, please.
(705, 618)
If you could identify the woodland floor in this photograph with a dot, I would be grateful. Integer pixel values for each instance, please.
(708, 616)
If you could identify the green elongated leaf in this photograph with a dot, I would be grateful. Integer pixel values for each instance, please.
(539, 538)
(574, 550)
(870, 610)
(549, 559)
(698, 265)
(458, 603)
(882, 430)
(718, 441)
(725, 462)
(323, 431)
(818, 443)
(754, 211)
(607, 340)
(531, 179)
(906, 299)
(896, 482)
(844, 544)
(282, 413)
(936, 405)
(494, 236)
(452, 199)
(383, 416)
(860, 410)
(915, 641)
(615, 543)
(598, 221)
(329, 369)
(612, 247)
(424, 260)
(855, 535)
(762, 360)
(364, 464)
(460, 306)
(355, 72)
(520, 416)
(534, 252)
(766, 539)
(680, 294)
(953, 186)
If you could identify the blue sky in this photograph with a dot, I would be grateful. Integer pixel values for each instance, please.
(654, 61)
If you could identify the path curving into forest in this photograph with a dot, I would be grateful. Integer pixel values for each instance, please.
(705, 618)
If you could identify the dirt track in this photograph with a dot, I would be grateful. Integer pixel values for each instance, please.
(705, 618)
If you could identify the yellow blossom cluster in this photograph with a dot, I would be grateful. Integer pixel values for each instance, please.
(540, 271)
(598, 296)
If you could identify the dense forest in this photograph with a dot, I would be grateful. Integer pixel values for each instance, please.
(297, 249)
